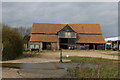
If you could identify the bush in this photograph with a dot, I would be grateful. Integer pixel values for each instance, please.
(12, 43)
(26, 50)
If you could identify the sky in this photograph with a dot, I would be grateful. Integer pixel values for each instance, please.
(18, 14)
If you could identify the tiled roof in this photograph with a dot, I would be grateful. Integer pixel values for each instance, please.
(35, 42)
(44, 38)
(86, 28)
(54, 28)
(46, 27)
(90, 39)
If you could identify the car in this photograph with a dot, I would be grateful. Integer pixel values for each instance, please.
(108, 46)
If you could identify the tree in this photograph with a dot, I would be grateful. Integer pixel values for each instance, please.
(26, 39)
(24, 30)
(12, 43)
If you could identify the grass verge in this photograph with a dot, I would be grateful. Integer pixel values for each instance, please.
(79, 59)
(103, 70)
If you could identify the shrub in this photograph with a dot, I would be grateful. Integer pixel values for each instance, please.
(12, 43)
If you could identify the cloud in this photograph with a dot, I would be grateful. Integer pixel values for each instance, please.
(60, 0)
(25, 13)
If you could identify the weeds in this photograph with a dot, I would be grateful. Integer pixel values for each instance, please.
(104, 71)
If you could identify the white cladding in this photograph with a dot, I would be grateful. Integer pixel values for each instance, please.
(112, 39)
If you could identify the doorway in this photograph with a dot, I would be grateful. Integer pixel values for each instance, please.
(90, 46)
(46, 46)
(63, 46)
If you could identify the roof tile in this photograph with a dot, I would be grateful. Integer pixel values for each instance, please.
(44, 38)
(90, 39)
(54, 28)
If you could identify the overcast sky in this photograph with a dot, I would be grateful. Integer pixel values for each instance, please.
(25, 13)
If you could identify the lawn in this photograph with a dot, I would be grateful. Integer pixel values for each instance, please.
(106, 68)
(79, 59)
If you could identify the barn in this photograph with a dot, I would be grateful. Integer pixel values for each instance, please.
(47, 36)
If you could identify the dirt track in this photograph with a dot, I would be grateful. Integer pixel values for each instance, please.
(54, 56)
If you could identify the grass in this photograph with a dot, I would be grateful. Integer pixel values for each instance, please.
(103, 70)
(79, 59)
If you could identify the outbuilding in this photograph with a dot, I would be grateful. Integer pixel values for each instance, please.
(114, 41)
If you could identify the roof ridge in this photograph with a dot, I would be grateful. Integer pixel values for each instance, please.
(47, 23)
(86, 24)
(66, 24)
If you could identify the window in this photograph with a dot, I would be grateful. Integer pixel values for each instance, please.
(64, 34)
(67, 34)
(34, 46)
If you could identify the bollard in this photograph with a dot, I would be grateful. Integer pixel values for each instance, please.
(60, 56)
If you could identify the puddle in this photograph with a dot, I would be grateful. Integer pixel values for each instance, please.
(11, 65)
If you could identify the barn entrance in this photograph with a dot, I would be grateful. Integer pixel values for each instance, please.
(63, 43)
(67, 37)
(63, 40)
(66, 42)
(46, 45)
(63, 47)
(91, 46)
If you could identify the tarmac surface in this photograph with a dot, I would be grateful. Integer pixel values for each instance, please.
(41, 70)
